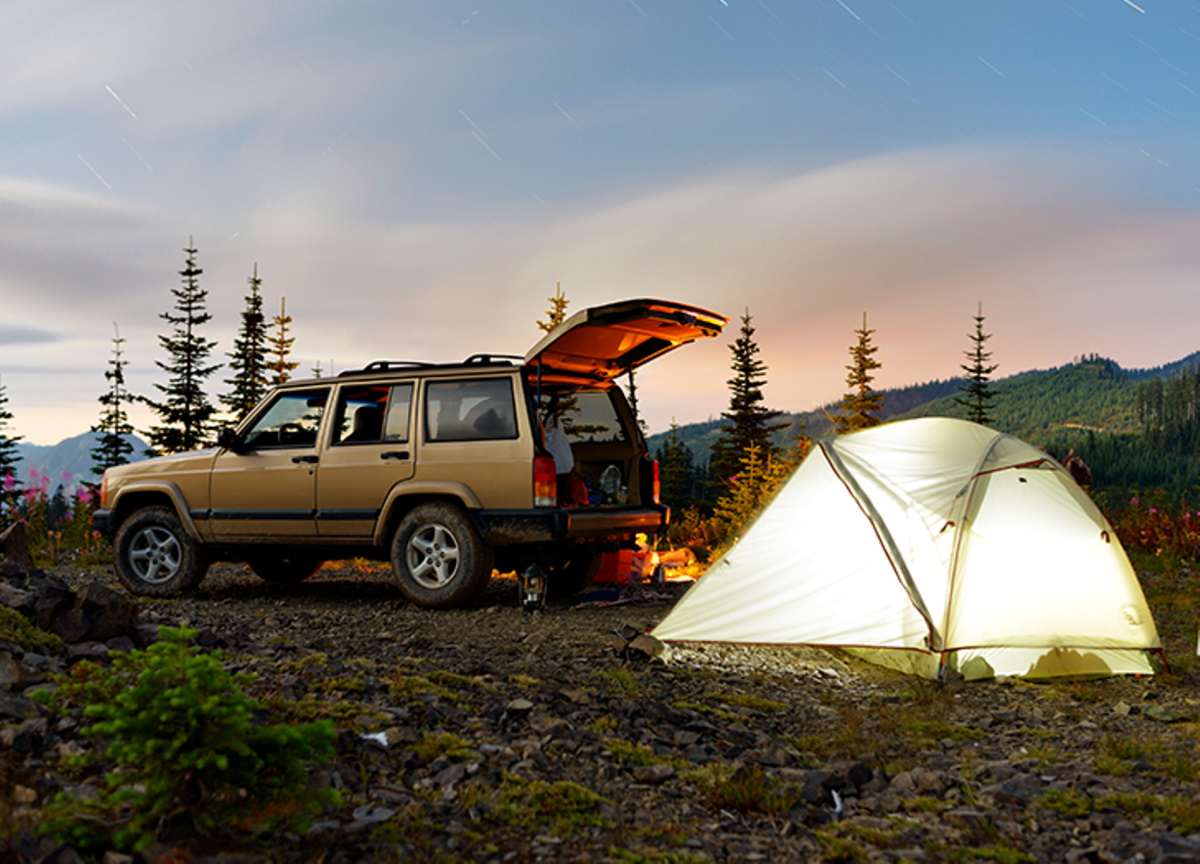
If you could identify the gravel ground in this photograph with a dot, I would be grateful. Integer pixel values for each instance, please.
(492, 734)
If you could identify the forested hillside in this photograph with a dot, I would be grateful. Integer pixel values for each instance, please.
(1138, 429)
(1091, 394)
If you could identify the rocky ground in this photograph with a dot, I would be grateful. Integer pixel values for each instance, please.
(491, 734)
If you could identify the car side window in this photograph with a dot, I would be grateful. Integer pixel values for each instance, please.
(395, 427)
(470, 410)
(360, 414)
(374, 413)
(291, 421)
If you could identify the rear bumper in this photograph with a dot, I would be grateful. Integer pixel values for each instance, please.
(510, 527)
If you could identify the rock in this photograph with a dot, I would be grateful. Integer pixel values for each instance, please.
(646, 646)
(1165, 714)
(53, 596)
(64, 855)
(87, 651)
(28, 737)
(18, 673)
(70, 625)
(122, 644)
(371, 813)
(108, 613)
(653, 774)
(969, 819)
(1019, 790)
(920, 781)
(18, 707)
(15, 598)
(14, 546)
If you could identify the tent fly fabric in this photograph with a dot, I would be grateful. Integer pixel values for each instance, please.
(928, 545)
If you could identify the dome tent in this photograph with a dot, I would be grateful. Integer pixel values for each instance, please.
(927, 545)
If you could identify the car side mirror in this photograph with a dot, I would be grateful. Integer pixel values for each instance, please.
(229, 440)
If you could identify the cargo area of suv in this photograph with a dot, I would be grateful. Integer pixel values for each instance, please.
(450, 471)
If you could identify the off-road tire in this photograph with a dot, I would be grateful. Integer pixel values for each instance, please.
(154, 556)
(575, 575)
(284, 569)
(439, 558)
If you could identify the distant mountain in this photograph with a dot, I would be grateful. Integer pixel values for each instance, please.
(1090, 394)
(68, 462)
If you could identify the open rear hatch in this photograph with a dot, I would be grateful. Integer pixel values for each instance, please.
(598, 344)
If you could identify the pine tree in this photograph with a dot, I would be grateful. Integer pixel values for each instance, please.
(750, 422)
(113, 446)
(557, 313)
(185, 410)
(675, 469)
(746, 494)
(560, 409)
(861, 405)
(10, 487)
(281, 347)
(977, 395)
(248, 360)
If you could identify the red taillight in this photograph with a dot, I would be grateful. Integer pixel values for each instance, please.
(657, 487)
(104, 491)
(545, 482)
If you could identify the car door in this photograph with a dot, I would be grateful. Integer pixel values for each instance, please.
(264, 488)
(370, 451)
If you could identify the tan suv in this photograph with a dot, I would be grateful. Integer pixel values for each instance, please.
(448, 470)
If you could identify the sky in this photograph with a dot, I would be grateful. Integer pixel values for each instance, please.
(417, 177)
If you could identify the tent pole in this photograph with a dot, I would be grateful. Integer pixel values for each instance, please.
(1162, 655)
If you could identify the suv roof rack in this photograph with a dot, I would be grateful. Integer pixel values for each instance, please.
(489, 359)
(385, 366)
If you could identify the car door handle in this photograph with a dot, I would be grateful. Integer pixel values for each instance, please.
(394, 454)
(311, 460)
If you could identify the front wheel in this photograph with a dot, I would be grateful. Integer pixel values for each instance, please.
(284, 569)
(439, 558)
(155, 556)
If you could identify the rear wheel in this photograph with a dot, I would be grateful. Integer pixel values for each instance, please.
(439, 558)
(155, 556)
(284, 569)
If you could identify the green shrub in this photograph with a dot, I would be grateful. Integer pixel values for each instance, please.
(186, 748)
(751, 790)
(14, 627)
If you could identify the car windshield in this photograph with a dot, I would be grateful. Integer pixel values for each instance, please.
(292, 420)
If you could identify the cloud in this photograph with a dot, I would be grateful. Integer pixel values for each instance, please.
(24, 335)
(1066, 260)
(70, 256)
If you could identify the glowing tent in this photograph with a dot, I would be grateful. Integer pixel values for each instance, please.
(926, 545)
